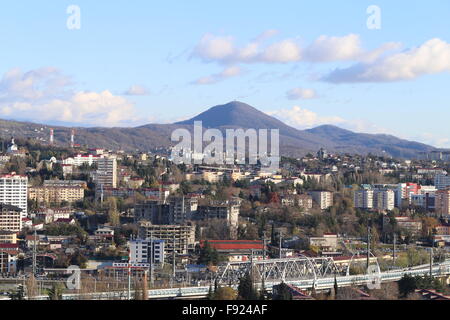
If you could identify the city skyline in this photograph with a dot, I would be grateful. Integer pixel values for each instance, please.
(305, 64)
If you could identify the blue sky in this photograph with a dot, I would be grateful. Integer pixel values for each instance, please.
(305, 62)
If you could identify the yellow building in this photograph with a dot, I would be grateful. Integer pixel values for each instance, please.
(8, 237)
(46, 194)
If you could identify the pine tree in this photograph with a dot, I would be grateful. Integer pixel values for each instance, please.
(246, 289)
(335, 286)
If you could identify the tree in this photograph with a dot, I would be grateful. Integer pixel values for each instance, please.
(113, 214)
(246, 290)
(79, 260)
(282, 292)
(19, 294)
(336, 287)
(55, 292)
(225, 293)
(406, 285)
(208, 255)
(32, 286)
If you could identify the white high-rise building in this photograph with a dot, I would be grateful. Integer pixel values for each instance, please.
(106, 172)
(13, 191)
(147, 251)
(384, 199)
(363, 199)
(323, 198)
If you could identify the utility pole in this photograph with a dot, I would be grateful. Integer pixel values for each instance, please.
(129, 279)
(173, 261)
(431, 262)
(369, 231)
(34, 253)
(395, 244)
(251, 265)
(280, 240)
(151, 258)
(264, 261)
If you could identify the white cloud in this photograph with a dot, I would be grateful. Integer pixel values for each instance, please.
(327, 48)
(44, 94)
(435, 140)
(222, 49)
(282, 52)
(302, 119)
(137, 90)
(430, 58)
(301, 93)
(228, 72)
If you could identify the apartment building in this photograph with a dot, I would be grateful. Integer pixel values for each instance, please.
(14, 191)
(363, 199)
(225, 210)
(329, 242)
(80, 160)
(441, 181)
(51, 194)
(154, 211)
(384, 199)
(65, 183)
(10, 218)
(147, 251)
(323, 198)
(106, 174)
(182, 209)
(48, 215)
(377, 198)
(8, 237)
(304, 201)
(442, 201)
(180, 238)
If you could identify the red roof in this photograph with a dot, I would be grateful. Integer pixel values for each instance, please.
(234, 244)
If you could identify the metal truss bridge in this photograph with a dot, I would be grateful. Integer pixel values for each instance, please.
(278, 270)
(304, 273)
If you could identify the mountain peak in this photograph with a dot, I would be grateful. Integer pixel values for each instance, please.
(235, 114)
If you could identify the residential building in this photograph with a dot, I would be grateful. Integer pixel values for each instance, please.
(147, 251)
(8, 236)
(65, 183)
(56, 194)
(153, 211)
(80, 160)
(323, 198)
(363, 199)
(413, 226)
(384, 199)
(226, 210)
(237, 250)
(329, 242)
(14, 191)
(182, 209)
(304, 201)
(8, 260)
(51, 215)
(10, 218)
(442, 202)
(180, 238)
(441, 181)
(106, 175)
